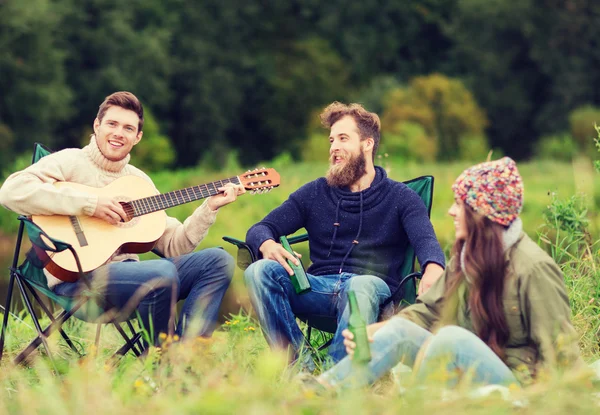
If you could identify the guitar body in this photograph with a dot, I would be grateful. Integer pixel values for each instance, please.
(98, 240)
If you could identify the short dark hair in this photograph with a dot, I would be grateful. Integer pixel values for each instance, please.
(368, 123)
(124, 100)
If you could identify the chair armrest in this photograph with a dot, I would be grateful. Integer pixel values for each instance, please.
(415, 275)
(297, 239)
(245, 256)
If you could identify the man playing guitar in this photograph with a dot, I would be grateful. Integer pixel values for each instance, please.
(200, 278)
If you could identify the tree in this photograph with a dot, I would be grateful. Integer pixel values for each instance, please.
(35, 97)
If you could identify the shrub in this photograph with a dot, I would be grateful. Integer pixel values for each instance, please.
(409, 141)
(316, 148)
(155, 152)
(443, 106)
(473, 148)
(556, 147)
(582, 122)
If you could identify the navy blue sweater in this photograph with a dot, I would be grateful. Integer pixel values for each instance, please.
(383, 219)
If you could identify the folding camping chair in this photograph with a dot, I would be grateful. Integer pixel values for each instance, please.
(30, 279)
(405, 294)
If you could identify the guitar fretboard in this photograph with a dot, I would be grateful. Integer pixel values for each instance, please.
(177, 197)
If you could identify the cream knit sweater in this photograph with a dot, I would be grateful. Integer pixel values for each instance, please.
(30, 192)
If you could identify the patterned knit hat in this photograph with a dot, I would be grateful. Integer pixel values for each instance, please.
(493, 189)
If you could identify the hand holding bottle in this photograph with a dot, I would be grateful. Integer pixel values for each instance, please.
(349, 337)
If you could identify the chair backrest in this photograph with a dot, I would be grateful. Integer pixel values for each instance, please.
(32, 269)
(423, 186)
(39, 151)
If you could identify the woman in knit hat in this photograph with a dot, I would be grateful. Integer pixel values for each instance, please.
(499, 313)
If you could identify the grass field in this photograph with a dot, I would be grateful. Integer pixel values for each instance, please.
(236, 373)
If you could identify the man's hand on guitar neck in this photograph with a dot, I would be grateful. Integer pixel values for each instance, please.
(229, 194)
(110, 210)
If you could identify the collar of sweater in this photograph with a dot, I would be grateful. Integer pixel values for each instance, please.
(351, 201)
(95, 155)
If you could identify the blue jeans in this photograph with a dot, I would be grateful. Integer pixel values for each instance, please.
(200, 278)
(277, 304)
(453, 349)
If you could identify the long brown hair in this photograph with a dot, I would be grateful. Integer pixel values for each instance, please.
(486, 269)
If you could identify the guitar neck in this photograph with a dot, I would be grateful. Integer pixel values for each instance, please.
(177, 197)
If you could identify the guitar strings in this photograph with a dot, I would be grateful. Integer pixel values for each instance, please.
(177, 197)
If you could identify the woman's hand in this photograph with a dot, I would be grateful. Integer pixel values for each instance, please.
(349, 337)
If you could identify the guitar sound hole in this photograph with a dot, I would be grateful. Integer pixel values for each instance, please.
(129, 211)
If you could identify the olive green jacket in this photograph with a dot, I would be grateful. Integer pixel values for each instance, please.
(536, 307)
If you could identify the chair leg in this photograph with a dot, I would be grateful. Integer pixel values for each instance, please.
(126, 347)
(6, 313)
(60, 319)
(50, 315)
(97, 342)
(133, 334)
(129, 342)
(36, 322)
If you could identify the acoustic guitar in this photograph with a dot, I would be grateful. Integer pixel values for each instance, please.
(96, 241)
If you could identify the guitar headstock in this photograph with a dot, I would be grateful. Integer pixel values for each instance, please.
(259, 180)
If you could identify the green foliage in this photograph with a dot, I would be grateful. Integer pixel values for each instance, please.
(316, 147)
(473, 148)
(409, 141)
(582, 122)
(35, 98)
(372, 96)
(556, 147)
(597, 143)
(7, 139)
(443, 106)
(155, 152)
(247, 75)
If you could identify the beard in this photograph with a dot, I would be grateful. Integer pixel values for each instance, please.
(348, 173)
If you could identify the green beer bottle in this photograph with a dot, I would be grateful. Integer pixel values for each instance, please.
(299, 278)
(357, 326)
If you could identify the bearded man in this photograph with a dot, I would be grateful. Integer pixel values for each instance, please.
(359, 223)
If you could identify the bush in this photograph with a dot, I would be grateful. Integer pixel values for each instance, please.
(443, 106)
(316, 148)
(473, 148)
(409, 141)
(582, 122)
(556, 147)
(155, 152)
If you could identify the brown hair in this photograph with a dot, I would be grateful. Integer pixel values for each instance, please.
(124, 100)
(486, 268)
(368, 123)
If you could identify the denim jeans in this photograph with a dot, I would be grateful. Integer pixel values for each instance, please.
(200, 278)
(277, 304)
(400, 340)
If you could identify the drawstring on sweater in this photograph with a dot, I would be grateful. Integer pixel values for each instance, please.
(336, 225)
(355, 241)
